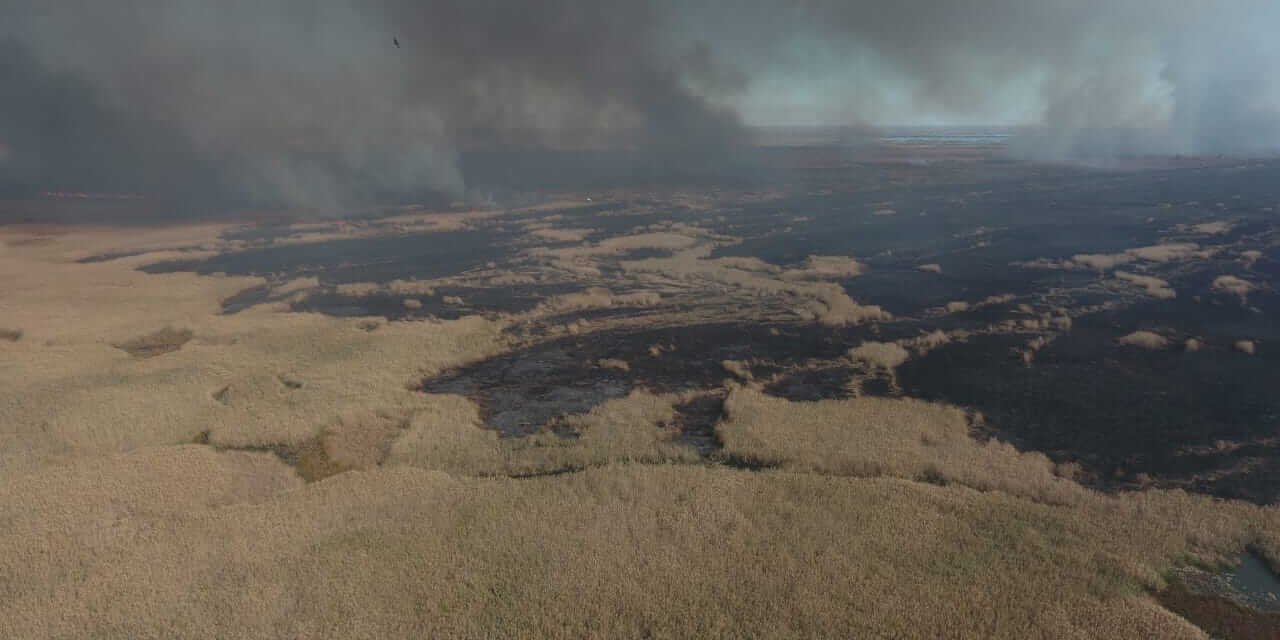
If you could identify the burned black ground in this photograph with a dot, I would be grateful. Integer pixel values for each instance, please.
(1206, 421)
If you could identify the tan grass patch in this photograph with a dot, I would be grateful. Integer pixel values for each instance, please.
(824, 302)
(446, 435)
(599, 298)
(409, 552)
(362, 440)
(69, 393)
(613, 363)
(1148, 340)
(561, 235)
(930, 341)
(876, 436)
(1100, 262)
(511, 279)
(358, 289)
(166, 340)
(1233, 285)
(1215, 228)
(884, 355)
(738, 369)
(827, 268)
(1161, 253)
(190, 541)
(1173, 252)
(1154, 287)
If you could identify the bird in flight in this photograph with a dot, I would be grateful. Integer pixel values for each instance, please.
(396, 40)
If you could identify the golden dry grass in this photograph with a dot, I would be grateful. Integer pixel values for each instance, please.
(254, 379)
(620, 551)
(166, 340)
(1233, 285)
(598, 298)
(883, 518)
(826, 267)
(869, 437)
(823, 302)
(561, 235)
(883, 355)
(1161, 253)
(447, 436)
(1154, 287)
(1149, 340)
(616, 364)
(927, 342)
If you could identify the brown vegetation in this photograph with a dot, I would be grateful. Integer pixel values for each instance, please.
(1161, 253)
(823, 302)
(1154, 287)
(447, 435)
(166, 340)
(868, 437)
(664, 551)
(826, 268)
(1145, 340)
(364, 509)
(1233, 285)
(885, 355)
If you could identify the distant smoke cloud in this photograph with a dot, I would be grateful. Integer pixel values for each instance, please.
(1097, 78)
(312, 103)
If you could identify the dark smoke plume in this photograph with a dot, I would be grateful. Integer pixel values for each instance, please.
(311, 102)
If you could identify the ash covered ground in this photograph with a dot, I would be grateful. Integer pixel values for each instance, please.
(1119, 319)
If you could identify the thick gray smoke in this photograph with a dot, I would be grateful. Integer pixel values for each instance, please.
(311, 102)
(1092, 78)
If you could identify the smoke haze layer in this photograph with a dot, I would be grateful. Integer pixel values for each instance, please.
(313, 103)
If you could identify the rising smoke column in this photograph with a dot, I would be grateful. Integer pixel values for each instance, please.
(1093, 78)
(311, 103)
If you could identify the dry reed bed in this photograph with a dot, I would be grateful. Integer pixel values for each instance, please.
(253, 379)
(145, 545)
(881, 518)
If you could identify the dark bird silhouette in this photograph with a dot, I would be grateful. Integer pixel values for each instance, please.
(396, 40)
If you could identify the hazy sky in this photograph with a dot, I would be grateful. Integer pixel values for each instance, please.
(309, 101)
